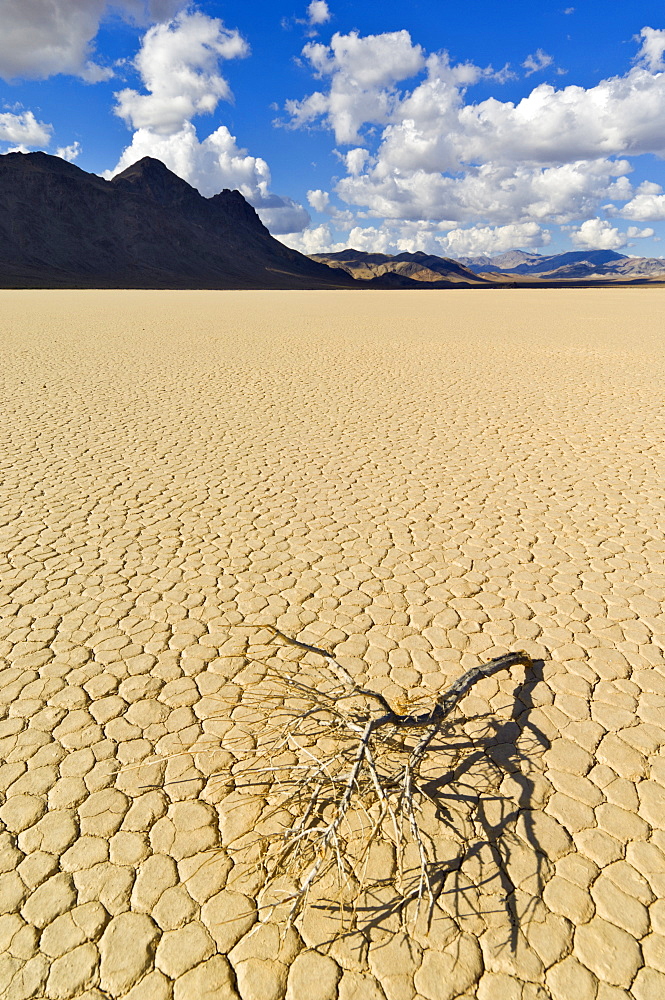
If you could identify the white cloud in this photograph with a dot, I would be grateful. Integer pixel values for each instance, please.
(179, 67)
(70, 152)
(536, 62)
(502, 75)
(649, 187)
(646, 204)
(441, 131)
(598, 234)
(318, 199)
(363, 72)
(618, 116)
(497, 193)
(318, 239)
(24, 130)
(645, 208)
(634, 233)
(373, 239)
(411, 237)
(479, 240)
(40, 39)
(424, 151)
(653, 47)
(318, 12)
(356, 159)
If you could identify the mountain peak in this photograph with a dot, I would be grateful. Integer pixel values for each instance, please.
(154, 178)
(146, 165)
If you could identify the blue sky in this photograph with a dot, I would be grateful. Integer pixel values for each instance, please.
(457, 129)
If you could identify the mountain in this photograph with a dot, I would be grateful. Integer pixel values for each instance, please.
(61, 227)
(642, 266)
(419, 267)
(562, 266)
(503, 261)
(379, 270)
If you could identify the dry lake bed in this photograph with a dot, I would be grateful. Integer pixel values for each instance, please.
(417, 481)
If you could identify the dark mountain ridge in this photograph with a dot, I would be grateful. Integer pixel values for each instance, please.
(61, 227)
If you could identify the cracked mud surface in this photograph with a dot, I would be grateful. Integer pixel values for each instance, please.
(416, 481)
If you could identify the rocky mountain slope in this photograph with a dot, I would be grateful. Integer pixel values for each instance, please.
(146, 228)
(419, 267)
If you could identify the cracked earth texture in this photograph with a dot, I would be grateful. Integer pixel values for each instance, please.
(418, 481)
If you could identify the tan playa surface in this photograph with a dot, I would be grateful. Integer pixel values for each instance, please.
(418, 481)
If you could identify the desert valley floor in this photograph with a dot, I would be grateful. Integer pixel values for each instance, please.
(417, 481)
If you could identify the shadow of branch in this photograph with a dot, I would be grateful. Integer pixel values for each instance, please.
(493, 829)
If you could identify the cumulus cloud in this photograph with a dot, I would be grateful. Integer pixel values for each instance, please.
(536, 62)
(498, 193)
(41, 39)
(411, 237)
(645, 208)
(436, 130)
(598, 234)
(646, 205)
(634, 233)
(356, 159)
(489, 240)
(652, 49)
(373, 239)
(317, 239)
(24, 130)
(70, 152)
(179, 66)
(318, 199)
(556, 126)
(424, 151)
(435, 126)
(318, 12)
(363, 72)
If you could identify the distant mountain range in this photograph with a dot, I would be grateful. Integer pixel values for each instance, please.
(146, 228)
(429, 269)
(572, 264)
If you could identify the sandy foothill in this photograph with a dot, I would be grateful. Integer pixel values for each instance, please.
(418, 481)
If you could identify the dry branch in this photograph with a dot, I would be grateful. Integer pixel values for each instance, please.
(356, 781)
